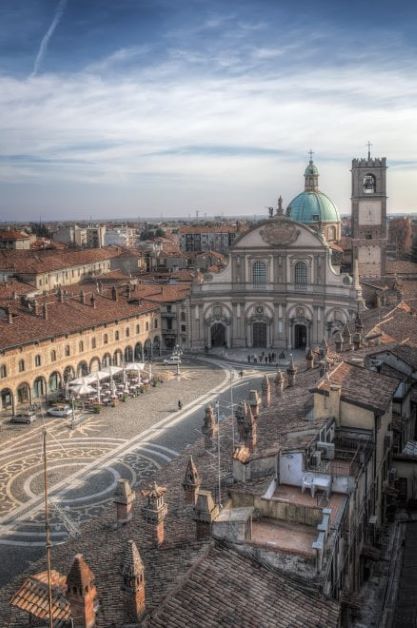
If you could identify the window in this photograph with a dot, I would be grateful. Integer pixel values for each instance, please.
(183, 328)
(3, 371)
(169, 323)
(116, 335)
(93, 343)
(105, 339)
(81, 346)
(169, 309)
(53, 355)
(300, 274)
(183, 316)
(259, 273)
(147, 326)
(21, 366)
(67, 351)
(155, 323)
(38, 360)
(127, 332)
(138, 329)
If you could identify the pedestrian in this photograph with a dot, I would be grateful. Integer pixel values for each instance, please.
(179, 405)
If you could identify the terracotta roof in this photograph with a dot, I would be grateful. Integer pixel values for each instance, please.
(225, 588)
(36, 262)
(32, 597)
(401, 267)
(162, 293)
(13, 235)
(67, 317)
(361, 387)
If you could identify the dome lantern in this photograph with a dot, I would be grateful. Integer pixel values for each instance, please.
(311, 176)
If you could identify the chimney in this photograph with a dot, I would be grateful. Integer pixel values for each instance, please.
(81, 594)
(9, 316)
(82, 297)
(279, 383)
(133, 583)
(347, 338)
(93, 301)
(338, 342)
(335, 392)
(357, 341)
(266, 392)
(310, 359)
(155, 511)
(254, 403)
(210, 427)
(291, 372)
(36, 307)
(191, 482)
(114, 294)
(60, 295)
(45, 311)
(123, 498)
(205, 512)
(246, 425)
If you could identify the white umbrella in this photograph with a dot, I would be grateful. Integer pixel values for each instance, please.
(135, 366)
(83, 389)
(111, 370)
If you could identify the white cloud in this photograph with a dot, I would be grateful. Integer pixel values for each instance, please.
(116, 128)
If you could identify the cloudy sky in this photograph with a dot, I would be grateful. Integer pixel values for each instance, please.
(113, 108)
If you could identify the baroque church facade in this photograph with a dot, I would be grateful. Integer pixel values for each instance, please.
(279, 289)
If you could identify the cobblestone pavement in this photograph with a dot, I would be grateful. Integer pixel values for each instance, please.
(130, 441)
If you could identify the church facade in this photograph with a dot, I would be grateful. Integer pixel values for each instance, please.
(279, 288)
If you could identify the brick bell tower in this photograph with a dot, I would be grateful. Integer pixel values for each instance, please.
(369, 214)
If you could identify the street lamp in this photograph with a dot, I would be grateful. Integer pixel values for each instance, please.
(177, 353)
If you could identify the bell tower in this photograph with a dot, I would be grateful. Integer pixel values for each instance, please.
(369, 214)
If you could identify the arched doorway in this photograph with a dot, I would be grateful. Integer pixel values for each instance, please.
(39, 387)
(106, 361)
(82, 369)
(94, 365)
(300, 336)
(117, 358)
(218, 335)
(23, 393)
(148, 349)
(69, 374)
(138, 352)
(54, 382)
(7, 400)
(259, 338)
(128, 354)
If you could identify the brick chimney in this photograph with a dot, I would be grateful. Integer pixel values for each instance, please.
(114, 294)
(155, 511)
(9, 316)
(81, 594)
(347, 338)
(45, 311)
(82, 296)
(210, 427)
(93, 301)
(279, 383)
(36, 307)
(266, 392)
(338, 341)
(132, 571)
(191, 482)
(246, 425)
(205, 512)
(291, 372)
(254, 403)
(310, 359)
(123, 498)
(357, 341)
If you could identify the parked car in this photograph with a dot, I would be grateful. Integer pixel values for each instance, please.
(173, 359)
(60, 411)
(23, 417)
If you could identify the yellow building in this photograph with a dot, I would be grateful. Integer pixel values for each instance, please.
(47, 341)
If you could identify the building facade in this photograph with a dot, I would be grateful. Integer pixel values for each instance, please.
(278, 290)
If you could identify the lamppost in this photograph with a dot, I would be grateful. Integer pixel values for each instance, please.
(217, 406)
(177, 353)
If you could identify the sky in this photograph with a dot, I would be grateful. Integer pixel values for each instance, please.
(159, 108)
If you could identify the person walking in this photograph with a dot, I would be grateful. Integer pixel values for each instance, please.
(179, 404)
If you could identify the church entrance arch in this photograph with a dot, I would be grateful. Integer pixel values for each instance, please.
(218, 335)
(300, 336)
(259, 333)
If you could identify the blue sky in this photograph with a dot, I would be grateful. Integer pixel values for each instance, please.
(148, 108)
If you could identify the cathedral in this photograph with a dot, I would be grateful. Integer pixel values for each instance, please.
(280, 288)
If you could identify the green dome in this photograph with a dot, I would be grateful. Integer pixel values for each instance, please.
(312, 207)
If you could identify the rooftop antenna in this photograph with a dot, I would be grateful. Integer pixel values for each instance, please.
(369, 149)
